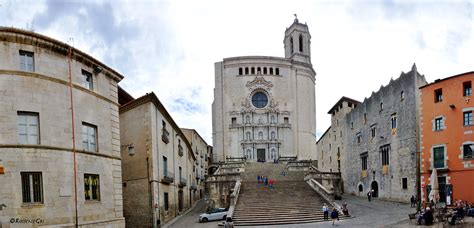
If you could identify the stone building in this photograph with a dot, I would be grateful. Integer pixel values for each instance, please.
(447, 137)
(374, 143)
(58, 166)
(200, 148)
(382, 142)
(332, 142)
(159, 171)
(264, 107)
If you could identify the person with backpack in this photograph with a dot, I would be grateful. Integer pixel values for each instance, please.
(334, 215)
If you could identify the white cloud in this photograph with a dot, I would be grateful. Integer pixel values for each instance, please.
(170, 47)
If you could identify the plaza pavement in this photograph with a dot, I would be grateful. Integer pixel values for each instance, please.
(377, 213)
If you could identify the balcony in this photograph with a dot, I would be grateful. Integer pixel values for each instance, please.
(168, 177)
(165, 136)
(193, 185)
(198, 176)
(182, 182)
(180, 150)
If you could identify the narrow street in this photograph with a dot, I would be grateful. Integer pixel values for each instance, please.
(191, 219)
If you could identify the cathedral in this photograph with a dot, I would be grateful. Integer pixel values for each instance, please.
(264, 107)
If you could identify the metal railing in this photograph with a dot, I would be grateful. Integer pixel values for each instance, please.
(182, 181)
(168, 177)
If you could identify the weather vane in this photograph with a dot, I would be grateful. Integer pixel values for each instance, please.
(296, 17)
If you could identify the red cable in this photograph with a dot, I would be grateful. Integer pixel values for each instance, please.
(73, 135)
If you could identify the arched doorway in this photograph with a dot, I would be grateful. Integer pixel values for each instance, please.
(361, 188)
(375, 188)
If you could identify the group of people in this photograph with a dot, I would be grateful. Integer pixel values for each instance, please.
(334, 214)
(265, 181)
(462, 209)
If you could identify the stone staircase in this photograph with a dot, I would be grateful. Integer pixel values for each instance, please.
(290, 201)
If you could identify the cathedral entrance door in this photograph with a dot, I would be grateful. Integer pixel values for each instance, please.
(261, 155)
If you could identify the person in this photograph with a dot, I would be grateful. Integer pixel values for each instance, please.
(325, 212)
(428, 217)
(412, 201)
(258, 179)
(459, 214)
(266, 180)
(334, 215)
(369, 195)
(270, 182)
(345, 210)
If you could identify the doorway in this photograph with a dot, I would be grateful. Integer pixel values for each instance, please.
(261, 155)
(180, 200)
(375, 188)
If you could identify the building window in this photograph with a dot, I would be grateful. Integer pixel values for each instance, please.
(468, 151)
(359, 138)
(404, 183)
(467, 118)
(259, 100)
(259, 70)
(363, 158)
(372, 132)
(394, 121)
(180, 148)
(32, 187)
(246, 70)
(165, 166)
(402, 96)
(271, 70)
(165, 135)
(438, 124)
(291, 45)
(467, 88)
(264, 70)
(92, 186)
(165, 199)
(352, 125)
(240, 71)
(438, 155)
(329, 146)
(89, 137)
(234, 120)
(277, 71)
(385, 150)
(28, 128)
(27, 62)
(301, 43)
(365, 118)
(87, 80)
(286, 120)
(438, 95)
(381, 106)
(252, 70)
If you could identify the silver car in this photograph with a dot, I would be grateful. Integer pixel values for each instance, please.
(214, 214)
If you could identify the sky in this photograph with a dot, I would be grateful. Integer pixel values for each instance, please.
(170, 47)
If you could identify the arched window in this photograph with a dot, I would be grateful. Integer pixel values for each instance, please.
(259, 70)
(271, 70)
(301, 42)
(240, 71)
(246, 70)
(264, 70)
(291, 44)
(248, 135)
(252, 70)
(260, 135)
(277, 71)
(273, 135)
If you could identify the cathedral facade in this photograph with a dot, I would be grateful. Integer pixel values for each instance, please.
(264, 107)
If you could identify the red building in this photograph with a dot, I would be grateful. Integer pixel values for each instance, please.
(447, 137)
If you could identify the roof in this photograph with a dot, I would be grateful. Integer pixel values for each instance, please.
(55, 46)
(342, 100)
(151, 97)
(123, 96)
(447, 78)
(189, 129)
(322, 136)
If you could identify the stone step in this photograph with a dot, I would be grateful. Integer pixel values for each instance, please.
(278, 222)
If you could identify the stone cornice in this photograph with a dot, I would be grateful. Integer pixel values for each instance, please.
(19, 36)
(56, 80)
(44, 147)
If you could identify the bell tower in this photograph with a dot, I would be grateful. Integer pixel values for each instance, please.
(297, 42)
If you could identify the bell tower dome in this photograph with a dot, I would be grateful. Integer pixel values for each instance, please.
(297, 42)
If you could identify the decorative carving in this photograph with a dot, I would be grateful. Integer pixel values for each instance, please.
(259, 81)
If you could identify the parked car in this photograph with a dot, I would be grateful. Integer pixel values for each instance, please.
(214, 214)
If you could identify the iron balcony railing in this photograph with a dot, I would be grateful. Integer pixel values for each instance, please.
(168, 177)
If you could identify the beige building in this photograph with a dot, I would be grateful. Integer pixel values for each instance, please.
(58, 165)
(264, 107)
(331, 144)
(159, 166)
(201, 152)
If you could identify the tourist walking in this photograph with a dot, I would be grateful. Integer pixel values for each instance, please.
(270, 183)
(266, 180)
(325, 212)
(334, 215)
(369, 195)
(412, 201)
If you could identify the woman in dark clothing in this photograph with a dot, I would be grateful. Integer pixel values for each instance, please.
(334, 215)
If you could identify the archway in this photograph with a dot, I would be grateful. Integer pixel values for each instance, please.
(361, 188)
(180, 200)
(375, 187)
